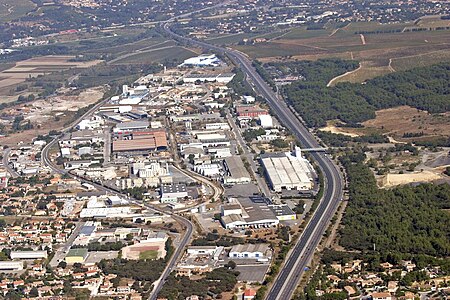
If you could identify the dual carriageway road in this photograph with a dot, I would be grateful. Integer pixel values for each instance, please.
(302, 252)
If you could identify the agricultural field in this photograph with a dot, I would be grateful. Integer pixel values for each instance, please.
(30, 68)
(13, 9)
(381, 49)
(363, 73)
(157, 55)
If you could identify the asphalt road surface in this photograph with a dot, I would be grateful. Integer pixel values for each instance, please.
(301, 254)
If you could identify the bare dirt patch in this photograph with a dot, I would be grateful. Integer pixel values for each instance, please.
(391, 180)
(337, 130)
(50, 114)
(404, 119)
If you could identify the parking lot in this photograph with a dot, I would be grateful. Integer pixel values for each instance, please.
(95, 257)
(252, 273)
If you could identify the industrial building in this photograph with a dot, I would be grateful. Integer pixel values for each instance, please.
(130, 126)
(266, 121)
(254, 212)
(11, 266)
(204, 60)
(250, 111)
(217, 126)
(251, 251)
(141, 141)
(221, 78)
(28, 254)
(106, 212)
(171, 193)
(287, 171)
(236, 173)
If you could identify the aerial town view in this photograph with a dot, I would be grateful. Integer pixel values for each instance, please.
(237, 149)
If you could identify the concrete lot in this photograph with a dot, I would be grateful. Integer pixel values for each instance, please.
(95, 257)
(242, 190)
(252, 273)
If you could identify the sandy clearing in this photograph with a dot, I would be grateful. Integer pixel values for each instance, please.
(337, 130)
(391, 180)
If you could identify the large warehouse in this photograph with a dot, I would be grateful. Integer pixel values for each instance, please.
(254, 212)
(236, 173)
(141, 141)
(287, 171)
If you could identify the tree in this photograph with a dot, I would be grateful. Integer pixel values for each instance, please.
(62, 264)
(34, 292)
(2, 223)
(231, 265)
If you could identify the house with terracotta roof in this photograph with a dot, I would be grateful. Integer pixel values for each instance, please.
(249, 294)
(382, 296)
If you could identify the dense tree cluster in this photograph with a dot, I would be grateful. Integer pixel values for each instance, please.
(404, 219)
(322, 70)
(424, 88)
(218, 281)
(340, 140)
(143, 270)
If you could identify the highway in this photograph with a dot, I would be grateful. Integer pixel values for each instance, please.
(301, 254)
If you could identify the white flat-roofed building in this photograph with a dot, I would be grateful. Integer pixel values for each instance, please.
(216, 126)
(250, 251)
(208, 170)
(231, 209)
(11, 265)
(106, 212)
(204, 60)
(206, 137)
(287, 171)
(28, 255)
(266, 121)
(92, 123)
(201, 250)
(220, 152)
(249, 99)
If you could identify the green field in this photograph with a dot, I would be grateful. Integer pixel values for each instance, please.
(303, 33)
(229, 38)
(166, 54)
(13, 9)
(149, 254)
(277, 49)
(422, 60)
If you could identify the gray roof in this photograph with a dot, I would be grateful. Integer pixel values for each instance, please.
(132, 124)
(281, 210)
(250, 248)
(236, 167)
(173, 188)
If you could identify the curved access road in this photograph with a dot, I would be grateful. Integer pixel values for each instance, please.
(301, 254)
(188, 227)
